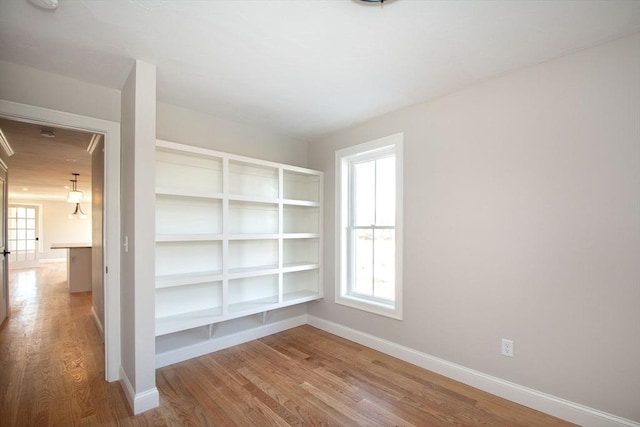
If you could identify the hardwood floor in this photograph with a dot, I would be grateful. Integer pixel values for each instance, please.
(52, 373)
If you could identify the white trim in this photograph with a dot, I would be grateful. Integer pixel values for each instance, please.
(111, 131)
(549, 404)
(140, 402)
(98, 322)
(4, 143)
(215, 344)
(343, 184)
(95, 140)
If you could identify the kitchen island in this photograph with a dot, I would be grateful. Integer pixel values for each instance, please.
(78, 265)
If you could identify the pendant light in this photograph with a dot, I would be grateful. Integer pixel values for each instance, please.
(74, 196)
(77, 213)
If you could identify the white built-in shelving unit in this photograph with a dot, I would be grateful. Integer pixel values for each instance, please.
(235, 236)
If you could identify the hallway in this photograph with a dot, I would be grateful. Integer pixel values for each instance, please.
(51, 355)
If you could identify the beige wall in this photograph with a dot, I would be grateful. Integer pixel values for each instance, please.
(179, 124)
(42, 89)
(522, 221)
(57, 227)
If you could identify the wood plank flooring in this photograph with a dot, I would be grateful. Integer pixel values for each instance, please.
(52, 373)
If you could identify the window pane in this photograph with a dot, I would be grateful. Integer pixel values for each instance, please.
(386, 191)
(384, 264)
(362, 262)
(31, 213)
(364, 193)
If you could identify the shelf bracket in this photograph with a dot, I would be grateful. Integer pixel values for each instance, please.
(264, 317)
(212, 329)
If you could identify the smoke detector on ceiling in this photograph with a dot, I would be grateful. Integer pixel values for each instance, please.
(45, 4)
(380, 2)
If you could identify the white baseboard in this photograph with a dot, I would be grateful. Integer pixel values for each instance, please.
(139, 402)
(205, 347)
(98, 322)
(552, 405)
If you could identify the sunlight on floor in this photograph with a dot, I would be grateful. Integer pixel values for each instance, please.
(26, 285)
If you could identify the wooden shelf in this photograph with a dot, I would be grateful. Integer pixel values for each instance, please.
(187, 279)
(189, 193)
(193, 319)
(236, 273)
(235, 236)
(301, 296)
(257, 305)
(300, 203)
(301, 235)
(160, 238)
(299, 266)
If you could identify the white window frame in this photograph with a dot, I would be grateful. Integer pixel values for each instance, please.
(344, 158)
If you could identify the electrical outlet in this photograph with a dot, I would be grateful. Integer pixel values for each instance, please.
(507, 347)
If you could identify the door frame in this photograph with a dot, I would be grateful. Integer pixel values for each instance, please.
(4, 262)
(111, 211)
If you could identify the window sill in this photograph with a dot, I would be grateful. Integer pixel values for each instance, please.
(387, 310)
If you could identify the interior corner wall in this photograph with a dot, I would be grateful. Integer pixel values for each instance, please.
(521, 219)
(19, 83)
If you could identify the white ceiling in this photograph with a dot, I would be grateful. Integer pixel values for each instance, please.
(304, 67)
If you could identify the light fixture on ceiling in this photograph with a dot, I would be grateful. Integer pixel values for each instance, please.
(45, 4)
(74, 197)
(77, 213)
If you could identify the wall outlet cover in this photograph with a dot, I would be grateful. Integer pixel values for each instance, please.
(507, 347)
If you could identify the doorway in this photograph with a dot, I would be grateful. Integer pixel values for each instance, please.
(110, 209)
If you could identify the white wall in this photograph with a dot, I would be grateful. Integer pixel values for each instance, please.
(57, 227)
(522, 221)
(178, 124)
(26, 85)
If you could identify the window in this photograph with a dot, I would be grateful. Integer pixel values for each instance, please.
(369, 226)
